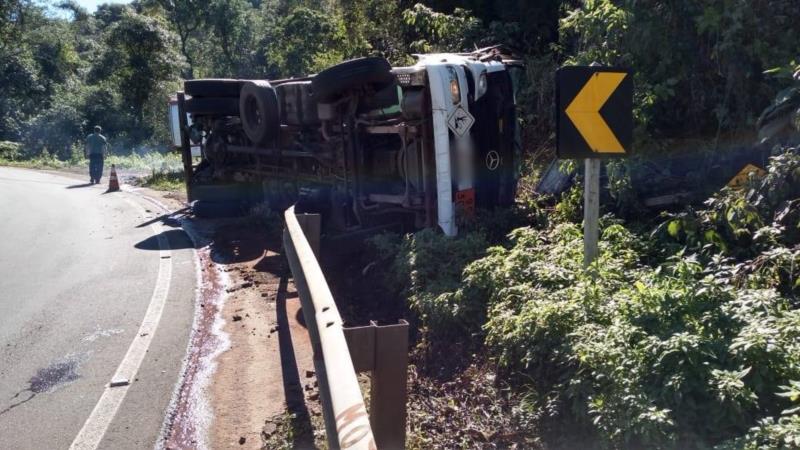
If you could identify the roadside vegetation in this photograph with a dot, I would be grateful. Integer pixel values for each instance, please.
(684, 334)
(156, 170)
(139, 160)
(165, 180)
(703, 69)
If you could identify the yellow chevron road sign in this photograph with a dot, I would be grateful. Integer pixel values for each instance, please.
(595, 112)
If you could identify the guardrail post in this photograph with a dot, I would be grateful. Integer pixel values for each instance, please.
(383, 350)
(311, 225)
(387, 405)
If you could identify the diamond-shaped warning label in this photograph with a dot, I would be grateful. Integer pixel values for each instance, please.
(460, 121)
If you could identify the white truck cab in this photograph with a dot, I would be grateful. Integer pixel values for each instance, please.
(453, 122)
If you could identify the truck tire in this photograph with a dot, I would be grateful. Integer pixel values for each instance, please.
(331, 83)
(213, 87)
(212, 106)
(258, 105)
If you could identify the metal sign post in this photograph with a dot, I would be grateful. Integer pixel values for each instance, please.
(594, 120)
(591, 211)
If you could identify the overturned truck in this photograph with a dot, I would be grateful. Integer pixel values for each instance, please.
(362, 143)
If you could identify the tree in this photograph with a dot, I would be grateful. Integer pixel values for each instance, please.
(22, 86)
(311, 40)
(231, 23)
(433, 31)
(186, 17)
(56, 130)
(363, 37)
(141, 55)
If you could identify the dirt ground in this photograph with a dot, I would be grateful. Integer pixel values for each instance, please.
(263, 373)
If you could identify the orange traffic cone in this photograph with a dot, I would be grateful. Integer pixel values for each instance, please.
(113, 182)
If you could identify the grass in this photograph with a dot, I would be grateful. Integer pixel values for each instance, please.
(151, 161)
(145, 162)
(161, 171)
(37, 163)
(165, 180)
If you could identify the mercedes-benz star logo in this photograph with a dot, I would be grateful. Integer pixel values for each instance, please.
(492, 160)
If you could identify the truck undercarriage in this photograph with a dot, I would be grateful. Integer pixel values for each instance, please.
(362, 143)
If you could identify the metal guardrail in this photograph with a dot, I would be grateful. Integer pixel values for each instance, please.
(340, 353)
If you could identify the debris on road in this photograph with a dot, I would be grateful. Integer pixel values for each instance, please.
(119, 382)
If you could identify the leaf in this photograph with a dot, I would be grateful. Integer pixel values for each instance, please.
(674, 228)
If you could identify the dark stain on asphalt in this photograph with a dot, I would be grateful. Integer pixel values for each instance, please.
(55, 374)
(47, 379)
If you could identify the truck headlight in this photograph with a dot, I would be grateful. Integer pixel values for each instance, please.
(455, 91)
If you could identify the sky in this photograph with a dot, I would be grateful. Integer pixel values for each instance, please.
(91, 5)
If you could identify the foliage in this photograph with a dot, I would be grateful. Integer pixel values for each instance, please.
(757, 226)
(782, 117)
(145, 162)
(115, 66)
(55, 131)
(9, 151)
(310, 42)
(684, 337)
(165, 180)
(690, 58)
(471, 411)
(415, 271)
(437, 31)
(141, 53)
(65, 75)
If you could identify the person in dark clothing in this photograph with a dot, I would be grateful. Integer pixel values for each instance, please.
(96, 149)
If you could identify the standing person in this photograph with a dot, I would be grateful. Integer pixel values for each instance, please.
(96, 149)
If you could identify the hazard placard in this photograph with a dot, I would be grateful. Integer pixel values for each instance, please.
(460, 121)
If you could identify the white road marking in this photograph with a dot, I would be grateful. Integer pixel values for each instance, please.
(106, 408)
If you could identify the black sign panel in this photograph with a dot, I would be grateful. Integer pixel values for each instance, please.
(594, 116)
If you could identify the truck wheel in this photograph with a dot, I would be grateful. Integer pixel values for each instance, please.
(213, 87)
(212, 106)
(258, 105)
(331, 83)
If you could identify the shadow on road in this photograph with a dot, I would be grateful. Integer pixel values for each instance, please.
(177, 240)
(168, 219)
(77, 186)
(176, 237)
(292, 387)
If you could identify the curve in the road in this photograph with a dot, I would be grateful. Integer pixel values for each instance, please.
(103, 413)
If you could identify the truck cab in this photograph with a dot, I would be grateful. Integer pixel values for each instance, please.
(364, 144)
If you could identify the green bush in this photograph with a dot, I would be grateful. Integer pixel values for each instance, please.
(695, 345)
(426, 267)
(756, 227)
(10, 151)
(643, 357)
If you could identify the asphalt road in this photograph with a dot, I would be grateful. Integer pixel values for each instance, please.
(80, 270)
